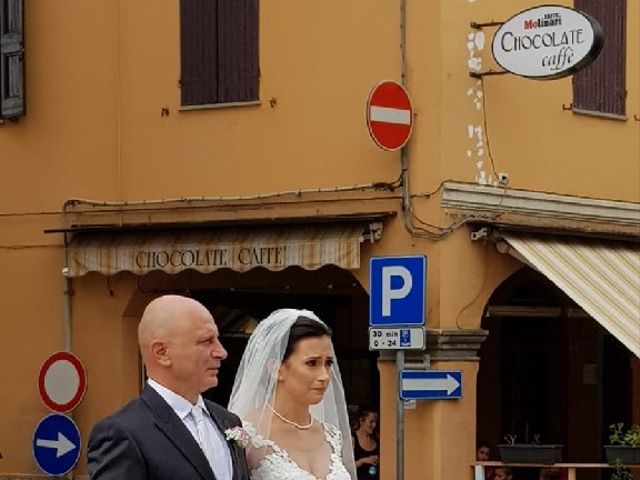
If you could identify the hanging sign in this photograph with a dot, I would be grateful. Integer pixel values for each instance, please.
(547, 42)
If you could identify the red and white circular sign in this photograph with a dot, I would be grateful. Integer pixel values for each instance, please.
(389, 115)
(62, 382)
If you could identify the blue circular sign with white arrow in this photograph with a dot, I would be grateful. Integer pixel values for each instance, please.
(56, 444)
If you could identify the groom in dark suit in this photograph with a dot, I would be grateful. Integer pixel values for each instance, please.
(170, 432)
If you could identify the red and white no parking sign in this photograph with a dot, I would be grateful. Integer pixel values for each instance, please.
(62, 382)
(389, 115)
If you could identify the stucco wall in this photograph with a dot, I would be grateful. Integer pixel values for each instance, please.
(99, 75)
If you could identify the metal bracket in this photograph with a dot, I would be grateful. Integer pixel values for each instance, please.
(488, 72)
(480, 234)
(373, 232)
(422, 363)
(479, 26)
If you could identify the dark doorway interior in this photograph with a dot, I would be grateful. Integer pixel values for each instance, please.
(342, 306)
(549, 372)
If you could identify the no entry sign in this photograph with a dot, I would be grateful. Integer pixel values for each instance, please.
(62, 382)
(389, 115)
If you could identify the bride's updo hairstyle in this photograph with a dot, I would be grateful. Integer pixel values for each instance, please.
(302, 328)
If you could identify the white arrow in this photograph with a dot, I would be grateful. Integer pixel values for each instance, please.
(62, 445)
(431, 384)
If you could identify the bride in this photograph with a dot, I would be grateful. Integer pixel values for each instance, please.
(289, 395)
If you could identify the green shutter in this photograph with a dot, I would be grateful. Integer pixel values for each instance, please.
(12, 98)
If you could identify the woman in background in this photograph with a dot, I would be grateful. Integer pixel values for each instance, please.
(483, 451)
(483, 454)
(365, 445)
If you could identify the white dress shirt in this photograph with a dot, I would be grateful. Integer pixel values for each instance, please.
(217, 453)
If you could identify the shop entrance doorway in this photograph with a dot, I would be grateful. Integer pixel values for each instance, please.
(549, 373)
(331, 293)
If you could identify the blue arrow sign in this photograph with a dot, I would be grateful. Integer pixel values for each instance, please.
(56, 444)
(430, 384)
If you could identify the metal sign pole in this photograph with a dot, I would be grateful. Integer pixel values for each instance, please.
(400, 304)
(399, 419)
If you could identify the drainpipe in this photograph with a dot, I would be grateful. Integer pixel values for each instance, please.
(67, 290)
(67, 293)
(67, 287)
(406, 211)
(404, 161)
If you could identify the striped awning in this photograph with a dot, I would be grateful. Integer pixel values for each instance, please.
(206, 250)
(603, 277)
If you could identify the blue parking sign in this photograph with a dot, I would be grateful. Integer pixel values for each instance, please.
(56, 444)
(397, 290)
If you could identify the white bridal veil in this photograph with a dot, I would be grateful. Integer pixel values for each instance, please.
(255, 381)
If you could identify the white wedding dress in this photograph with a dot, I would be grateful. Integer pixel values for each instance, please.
(277, 465)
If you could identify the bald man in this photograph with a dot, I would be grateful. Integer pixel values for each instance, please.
(170, 432)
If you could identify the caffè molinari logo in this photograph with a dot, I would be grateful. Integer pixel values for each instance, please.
(547, 42)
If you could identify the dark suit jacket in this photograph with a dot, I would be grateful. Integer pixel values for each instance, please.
(146, 440)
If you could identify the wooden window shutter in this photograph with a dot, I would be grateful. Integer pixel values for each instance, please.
(219, 51)
(601, 87)
(238, 50)
(199, 51)
(12, 91)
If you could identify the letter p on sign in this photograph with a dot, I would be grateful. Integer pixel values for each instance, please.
(397, 291)
(388, 292)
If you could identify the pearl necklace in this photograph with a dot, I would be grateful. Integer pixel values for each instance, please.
(291, 422)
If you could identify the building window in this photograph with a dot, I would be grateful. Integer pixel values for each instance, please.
(601, 87)
(219, 51)
(12, 104)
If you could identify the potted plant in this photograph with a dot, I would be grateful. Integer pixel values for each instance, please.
(534, 452)
(625, 444)
(620, 472)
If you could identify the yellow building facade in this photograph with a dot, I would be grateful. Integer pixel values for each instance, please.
(124, 178)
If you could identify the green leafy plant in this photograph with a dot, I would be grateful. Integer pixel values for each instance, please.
(622, 437)
(620, 472)
(510, 438)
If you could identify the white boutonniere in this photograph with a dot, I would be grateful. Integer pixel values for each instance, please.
(237, 435)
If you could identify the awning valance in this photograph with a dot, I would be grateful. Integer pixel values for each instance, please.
(603, 277)
(205, 250)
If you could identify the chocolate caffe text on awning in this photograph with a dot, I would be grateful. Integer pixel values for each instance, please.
(205, 250)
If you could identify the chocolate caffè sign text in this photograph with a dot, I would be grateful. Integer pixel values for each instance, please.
(547, 42)
(210, 258)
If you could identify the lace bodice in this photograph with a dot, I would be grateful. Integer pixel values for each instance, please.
(277, 465)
